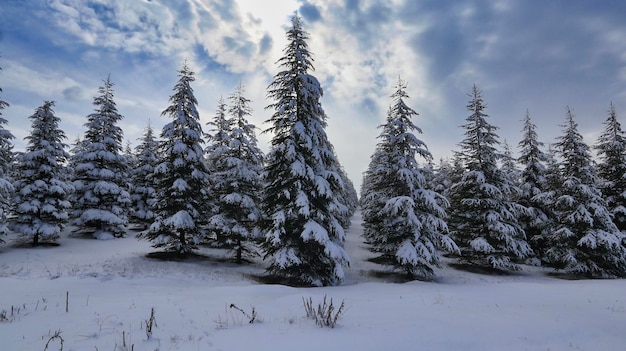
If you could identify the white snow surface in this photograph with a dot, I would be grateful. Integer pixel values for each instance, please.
(112, 287)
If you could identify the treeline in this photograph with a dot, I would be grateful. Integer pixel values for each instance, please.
(186, 187)
(487, 210)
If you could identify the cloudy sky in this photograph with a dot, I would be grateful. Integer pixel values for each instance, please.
(524, 54)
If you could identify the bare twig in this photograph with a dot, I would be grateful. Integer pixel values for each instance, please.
(57, 335)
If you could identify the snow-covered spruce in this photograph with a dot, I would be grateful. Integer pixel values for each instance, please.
(101, 200)
(142, 194)
(303, 236)
(218, 142)
(611, 149)
(6, 160)
(236, 164)
(181, 178)
(403, 220)
(508, 165)
(584, 240)
(483, 220)
(347, 197)
(42, 192)
(533, 184)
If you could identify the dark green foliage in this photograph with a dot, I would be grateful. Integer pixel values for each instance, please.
(181, 177)
(143, 194)
(534, 184)
(611, 149)
(100, 177)
(303, 235)
(584, 240)
(42, 192)
(404, 220)
(483, 218)
(236, 164)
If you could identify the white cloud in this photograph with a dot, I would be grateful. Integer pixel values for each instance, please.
(46, 83)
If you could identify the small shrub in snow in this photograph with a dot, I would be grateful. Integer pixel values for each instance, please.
(236, 319)
(252, 317)
(325, 314)
(124, 346)
(10, 316)
(56, 336)
(150, 324)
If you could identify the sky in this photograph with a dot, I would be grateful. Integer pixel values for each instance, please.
(535, 56)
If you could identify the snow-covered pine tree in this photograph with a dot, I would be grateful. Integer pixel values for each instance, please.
(143, 194)
(405, 221)
(77, 147)
(131, 161)
(611, 150)
(181, 176)
(42, 192)
(533, 185)
(218, 144)
(442, 176)
(101, 200)
(303, 236)
(546, 200)
(6, 161)
(237, 180)
(483, 220)
(585, 241)
(218, 138)
(508, 164)
(554, 178)
(349, 197)
(371, 197)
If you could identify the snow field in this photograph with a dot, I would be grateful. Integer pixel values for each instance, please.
(112, 287)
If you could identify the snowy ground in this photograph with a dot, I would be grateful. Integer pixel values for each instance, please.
(112, 288)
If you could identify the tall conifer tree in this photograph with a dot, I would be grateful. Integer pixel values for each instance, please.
(533, 185)
(584, 240)
(237, 184)
(42, 192)
(143, 194)
(404, 221)
(483, 218)
(303, 236)
(101, 201)
(611, 149)
(181, 176)
(6, 160)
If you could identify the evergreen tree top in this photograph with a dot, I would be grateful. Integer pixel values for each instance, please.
(479, 147)
(45, 129)
(296, 93)
(102, 129)
(575, 152)
(183, 91)
(185, 126)
(221, 125)
(297, 57)
(532, 158)
(530, 144)
(148, 144)
(400, 127)
(612, 138)
(240, 105)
